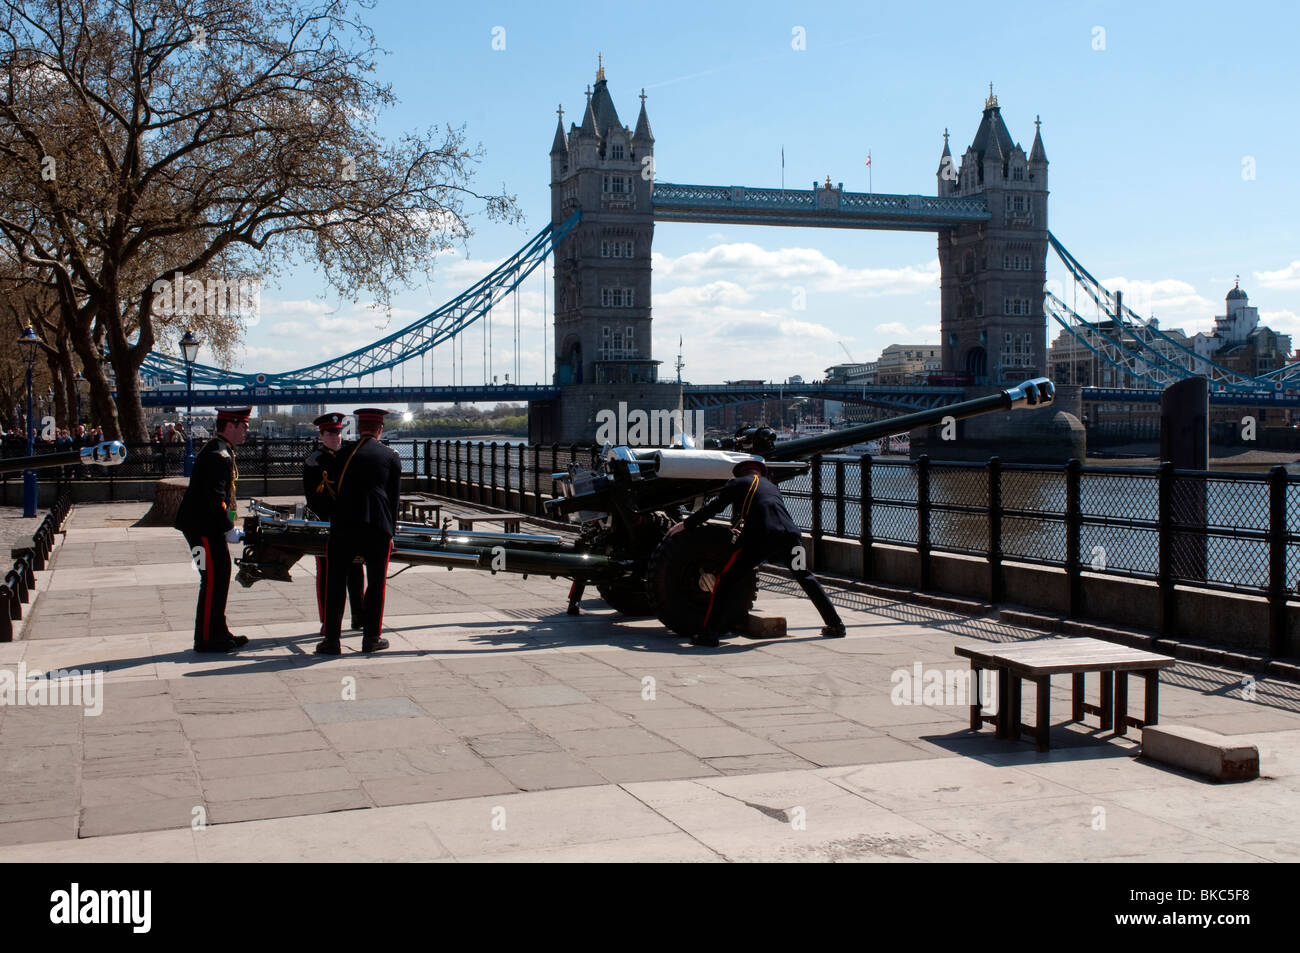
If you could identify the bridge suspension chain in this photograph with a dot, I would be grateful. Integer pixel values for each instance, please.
(413, 341)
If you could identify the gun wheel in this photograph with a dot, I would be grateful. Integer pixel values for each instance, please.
(682, 574)
(628, 594)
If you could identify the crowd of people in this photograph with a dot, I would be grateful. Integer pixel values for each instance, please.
(15, 444)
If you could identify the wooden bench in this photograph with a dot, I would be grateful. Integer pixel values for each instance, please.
(510, 524)
(1039, 660)
(422, 509)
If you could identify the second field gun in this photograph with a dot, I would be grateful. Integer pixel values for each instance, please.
(624, 505)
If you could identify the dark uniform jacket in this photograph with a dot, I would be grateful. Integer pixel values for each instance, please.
(211, 493)
(369, 485)
(753, 499)
(320, 474)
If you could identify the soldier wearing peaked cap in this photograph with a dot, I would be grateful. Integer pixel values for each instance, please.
(319, 483)
(768, 533)
(207, 518)
(363, 523)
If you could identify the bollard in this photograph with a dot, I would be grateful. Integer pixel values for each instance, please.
(14, 580)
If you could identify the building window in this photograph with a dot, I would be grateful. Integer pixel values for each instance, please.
(616, 183)
(616, 151)
(616, 297)
(1017, 173)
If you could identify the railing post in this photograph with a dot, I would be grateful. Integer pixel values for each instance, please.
(458, 485)
(1277, 587)
(839, 499)
(1073, 538)
(864, 512)
(428, 464)
(6, 623)
(1165, 544)
(492, 473)
(537, 479)
(478, 496)
(923, 517)
(995, 530)
(555, 454)
(815, 529)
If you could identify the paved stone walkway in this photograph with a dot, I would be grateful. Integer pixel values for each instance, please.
(497, 727)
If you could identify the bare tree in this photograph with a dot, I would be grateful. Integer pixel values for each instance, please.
(142, 143)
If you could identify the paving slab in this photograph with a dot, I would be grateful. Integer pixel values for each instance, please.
(600, 738)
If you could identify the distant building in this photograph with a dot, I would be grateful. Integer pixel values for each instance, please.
(1240, 344)
(1237, 343)
(903, 365)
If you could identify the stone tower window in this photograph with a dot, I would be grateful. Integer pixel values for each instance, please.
(616, 151)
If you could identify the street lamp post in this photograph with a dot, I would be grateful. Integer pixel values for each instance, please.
(28, 342)
(190, 351)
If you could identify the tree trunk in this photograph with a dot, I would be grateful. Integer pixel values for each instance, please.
(56, 384)
(103, 411)
(69, 378)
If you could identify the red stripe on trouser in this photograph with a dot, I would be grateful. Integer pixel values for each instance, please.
(383, 589)
(207, 595)
(322, 585)
(718, 585)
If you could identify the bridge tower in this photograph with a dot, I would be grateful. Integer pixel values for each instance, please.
(602, 271)
(992, 274)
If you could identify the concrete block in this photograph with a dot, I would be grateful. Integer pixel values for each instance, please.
(765, 626)
(1201, 752)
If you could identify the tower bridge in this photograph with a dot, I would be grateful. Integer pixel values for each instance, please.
(989, 215)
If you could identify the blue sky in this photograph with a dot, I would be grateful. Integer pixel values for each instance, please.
(1148, 137)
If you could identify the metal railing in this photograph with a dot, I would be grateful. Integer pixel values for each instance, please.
(16, 590)
(1215, 530)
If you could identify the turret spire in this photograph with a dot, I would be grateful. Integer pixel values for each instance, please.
(643, 133)
(1036, 153)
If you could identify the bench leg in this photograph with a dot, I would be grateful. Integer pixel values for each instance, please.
(1107, 699)
(1121, 703)
(1076, 707)
(1043, 726)
(1014, 715)
(1153, 696)
(977, 702)
(1004, 704)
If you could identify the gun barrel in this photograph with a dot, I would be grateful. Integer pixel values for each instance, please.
(110, 453)
(1038, 392)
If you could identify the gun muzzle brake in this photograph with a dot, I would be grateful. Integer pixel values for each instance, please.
(107, 454)
(1036, 392)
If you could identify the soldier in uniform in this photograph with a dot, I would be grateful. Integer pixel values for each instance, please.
(319, 481)
(767, 534)
(207, 518)
(364, 522)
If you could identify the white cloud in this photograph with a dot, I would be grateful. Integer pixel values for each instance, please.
(806, 329)
(1288, 277)
(760, 268)
(714, 293)
(1163, 297)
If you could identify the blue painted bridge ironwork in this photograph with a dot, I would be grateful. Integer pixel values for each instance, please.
(707, 396)
(820, 206)
(264, 396)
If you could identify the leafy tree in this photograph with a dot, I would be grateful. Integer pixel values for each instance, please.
(142, 140)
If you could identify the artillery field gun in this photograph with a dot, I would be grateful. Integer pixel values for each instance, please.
(624, 506)
(110, 453)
